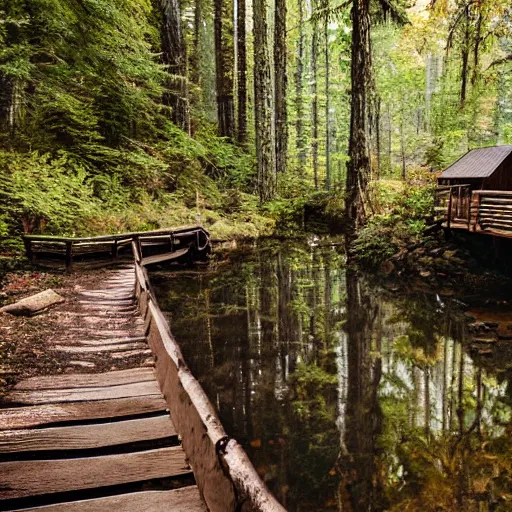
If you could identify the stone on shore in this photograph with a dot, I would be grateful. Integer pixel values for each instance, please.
(34, 304)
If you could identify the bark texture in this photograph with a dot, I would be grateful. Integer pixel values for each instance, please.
(263, 105)
(242, 73)
(281, 116)
(358, 167)
(299, 93)
(175, 58)
(225, 66)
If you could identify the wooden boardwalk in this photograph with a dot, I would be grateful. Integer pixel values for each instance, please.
(105, 441)
(67, 438)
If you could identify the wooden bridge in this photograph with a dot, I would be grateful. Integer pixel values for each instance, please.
(478, 211)
(158, 246)
(144, 437)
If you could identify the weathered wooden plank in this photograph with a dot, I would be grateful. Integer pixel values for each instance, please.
(30, 478)
(87, 380)
(83, 394)
(101, 341)
(186, 499)
(40, 415)
(97, 333)
(160, 258)
(86, 436)
(130, 353)
(112, 347)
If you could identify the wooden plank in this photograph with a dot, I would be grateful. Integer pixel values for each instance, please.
(40, 415)
(83, 394)
(87, 380)
(111, 347)
(110, 333)
(186, 499)
(101, 341)
(29, 478)
(86, 436)
(493, 192)
(160, 258)
(496, 200)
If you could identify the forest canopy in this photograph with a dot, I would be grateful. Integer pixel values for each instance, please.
(134, 114)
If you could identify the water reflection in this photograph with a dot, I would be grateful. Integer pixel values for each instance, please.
(345, 397)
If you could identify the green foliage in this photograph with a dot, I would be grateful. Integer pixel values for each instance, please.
(401, 224)
(45, 193)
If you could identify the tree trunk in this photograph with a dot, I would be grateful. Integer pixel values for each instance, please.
(465, 60)
(263, 105)
(194, 58)
(224, 60)
(242, 73)
(327, 106)
(377, 136)
(358, 167)
(314, 97)
(402, 147)
(299, 93)
(281, 117)
(174, 57)
(7, 103)
(476, 50)
(390, 139)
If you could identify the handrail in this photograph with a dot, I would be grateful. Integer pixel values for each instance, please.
(65, 245)
(224, 474)
(493, 192)
(116, 236)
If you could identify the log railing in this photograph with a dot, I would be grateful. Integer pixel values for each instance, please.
(226, 478)
(485, 211)
(494, 211)
(160, 240)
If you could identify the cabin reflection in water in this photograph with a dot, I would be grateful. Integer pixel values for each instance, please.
(345, 397)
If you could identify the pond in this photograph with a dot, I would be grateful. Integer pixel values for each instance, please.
(346, 396)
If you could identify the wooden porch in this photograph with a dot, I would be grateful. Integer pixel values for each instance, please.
(479, 211)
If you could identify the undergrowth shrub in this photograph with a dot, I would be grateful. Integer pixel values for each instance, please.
(401, 223)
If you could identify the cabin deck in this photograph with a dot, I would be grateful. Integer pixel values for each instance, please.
(486, 212)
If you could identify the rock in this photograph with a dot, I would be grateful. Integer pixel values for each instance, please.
(449, 254)
(34, 304)
(387, 267)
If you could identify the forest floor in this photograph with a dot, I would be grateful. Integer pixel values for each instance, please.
(25, 342)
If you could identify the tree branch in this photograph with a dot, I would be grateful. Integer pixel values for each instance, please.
(498, 62)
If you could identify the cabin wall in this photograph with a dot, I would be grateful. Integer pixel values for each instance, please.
(501, 179)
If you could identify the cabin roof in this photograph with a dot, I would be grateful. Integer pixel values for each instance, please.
(478, 163)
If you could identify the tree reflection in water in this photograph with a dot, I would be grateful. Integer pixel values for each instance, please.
(345, 397)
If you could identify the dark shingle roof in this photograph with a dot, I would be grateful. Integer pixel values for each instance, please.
(478, 163)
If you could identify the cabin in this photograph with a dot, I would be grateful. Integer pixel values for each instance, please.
(482, 169)
(475, 192)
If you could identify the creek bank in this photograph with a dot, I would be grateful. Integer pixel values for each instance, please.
(446, 267)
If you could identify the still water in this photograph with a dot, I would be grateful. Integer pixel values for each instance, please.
(345, 396)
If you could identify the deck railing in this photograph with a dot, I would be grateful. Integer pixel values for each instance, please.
(170, 240)
(484, 211)
(224, 474)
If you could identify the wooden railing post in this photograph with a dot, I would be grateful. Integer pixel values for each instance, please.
(28, 249)
(69, 256)
(115, 249)
(448, 220)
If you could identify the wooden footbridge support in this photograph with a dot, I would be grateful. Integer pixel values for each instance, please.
(141, 438)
